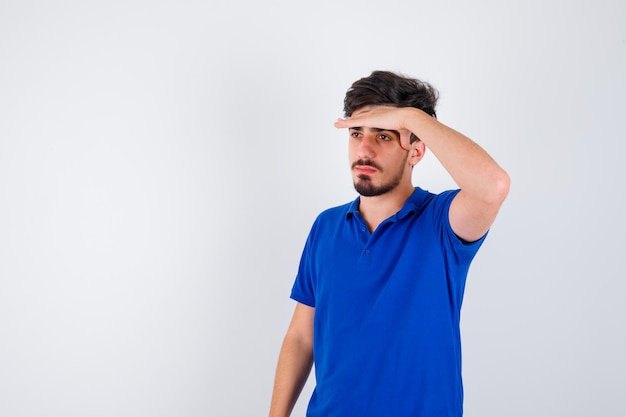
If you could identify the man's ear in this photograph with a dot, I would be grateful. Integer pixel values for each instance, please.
(417, 152)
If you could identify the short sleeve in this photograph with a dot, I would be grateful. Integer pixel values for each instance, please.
(463, 251)
(303, 287)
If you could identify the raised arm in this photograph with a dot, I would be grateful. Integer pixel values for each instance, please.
(294, 362)
(484, 185)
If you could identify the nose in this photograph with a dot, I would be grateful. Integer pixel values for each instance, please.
(365, 148)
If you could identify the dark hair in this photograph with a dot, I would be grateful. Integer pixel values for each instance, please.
(391, 89)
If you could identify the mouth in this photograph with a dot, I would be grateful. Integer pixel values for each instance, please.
(365, 167)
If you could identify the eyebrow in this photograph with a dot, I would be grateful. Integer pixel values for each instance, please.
(376, 129)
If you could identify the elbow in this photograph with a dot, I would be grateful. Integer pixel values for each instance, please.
(501, 186)
(494, 188)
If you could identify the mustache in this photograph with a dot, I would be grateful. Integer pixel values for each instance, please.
(366, 162)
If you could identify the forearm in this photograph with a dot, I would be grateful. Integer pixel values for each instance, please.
(473, 170)
(294, 366)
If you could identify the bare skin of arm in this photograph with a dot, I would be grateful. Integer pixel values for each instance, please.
(484, 185)
(294, 362)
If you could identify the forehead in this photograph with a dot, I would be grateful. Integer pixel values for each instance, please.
(365, 109)
(362, 110)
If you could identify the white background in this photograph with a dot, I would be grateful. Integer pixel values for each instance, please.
(161, 163)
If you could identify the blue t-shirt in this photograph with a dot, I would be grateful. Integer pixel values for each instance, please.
(387, 306)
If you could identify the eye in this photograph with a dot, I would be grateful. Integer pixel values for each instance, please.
(355, 134)
(384, 137)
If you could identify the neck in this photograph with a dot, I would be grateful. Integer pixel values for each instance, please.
(375, 210)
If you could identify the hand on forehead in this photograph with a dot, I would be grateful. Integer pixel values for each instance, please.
(379, 117)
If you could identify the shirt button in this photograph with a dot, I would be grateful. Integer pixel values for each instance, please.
(362, 228)
(367, 251)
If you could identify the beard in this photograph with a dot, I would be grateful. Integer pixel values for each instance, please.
(364, 186)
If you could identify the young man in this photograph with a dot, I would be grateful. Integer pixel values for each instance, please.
(381, 279)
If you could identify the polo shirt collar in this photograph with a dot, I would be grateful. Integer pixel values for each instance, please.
(413, 204)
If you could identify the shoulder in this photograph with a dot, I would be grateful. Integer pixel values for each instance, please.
(423, 200)
(337, 213)
(444, 198)
(330, 220)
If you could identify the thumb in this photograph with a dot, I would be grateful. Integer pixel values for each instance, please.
(405, 139)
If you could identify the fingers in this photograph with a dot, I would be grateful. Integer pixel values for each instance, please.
(381, 117)
(370, 120)
(342, 123)
(405, 139)
(358, 121)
